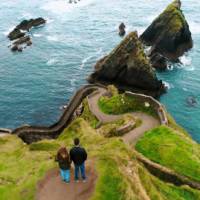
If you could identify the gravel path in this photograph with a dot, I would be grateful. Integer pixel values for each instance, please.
(148, 122)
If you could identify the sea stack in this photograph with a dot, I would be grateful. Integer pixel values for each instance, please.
(128, 67)
(169, 35)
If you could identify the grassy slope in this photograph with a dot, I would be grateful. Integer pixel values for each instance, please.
(21, 166)
(121, 103)
(24, 165)
(172, 149)
(158, 190)
(20, 169)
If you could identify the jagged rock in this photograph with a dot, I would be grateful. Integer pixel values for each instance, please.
(20, 33)
(169, 34)
(22, 40)
(26, 25)
(15, 34)
(158, 61)
(128, 67)
(21, 43)
(122, 31)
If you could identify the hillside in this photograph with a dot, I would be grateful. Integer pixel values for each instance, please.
(120, 174)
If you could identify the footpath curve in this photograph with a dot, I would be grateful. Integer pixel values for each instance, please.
(148, 122)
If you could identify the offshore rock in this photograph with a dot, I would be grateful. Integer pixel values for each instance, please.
(122, 30)
(22, 40)
(127, 67)
(169, 34)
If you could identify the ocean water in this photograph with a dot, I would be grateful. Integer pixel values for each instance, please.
(36, 83)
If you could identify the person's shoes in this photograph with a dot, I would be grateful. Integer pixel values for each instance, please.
(84, 180)
(77, 181)
(67, 181)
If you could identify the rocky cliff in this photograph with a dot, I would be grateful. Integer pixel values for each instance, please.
(128, 67)
(169, 35)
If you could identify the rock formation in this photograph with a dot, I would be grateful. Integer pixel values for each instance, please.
(127, 67)
(19, 33)
(168, 35)
(122, 31)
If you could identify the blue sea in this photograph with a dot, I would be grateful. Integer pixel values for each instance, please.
(36, 83)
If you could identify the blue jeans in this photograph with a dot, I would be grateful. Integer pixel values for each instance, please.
(65, 174)
(80, 168)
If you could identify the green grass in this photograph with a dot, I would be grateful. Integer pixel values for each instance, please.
(122, 103)
(110, 129)
(172, 149)
(88, 116)
(45, 145)
(20, 169)
(158, 190)
(22, 166)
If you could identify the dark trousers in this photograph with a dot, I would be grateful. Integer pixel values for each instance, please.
(79, 168)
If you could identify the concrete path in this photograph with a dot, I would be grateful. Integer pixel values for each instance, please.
(148, 122)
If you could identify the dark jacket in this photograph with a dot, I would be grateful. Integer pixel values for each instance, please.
(63, 163)
(78, 155)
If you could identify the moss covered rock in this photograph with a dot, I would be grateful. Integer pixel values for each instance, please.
(169, 33)
(128, 66)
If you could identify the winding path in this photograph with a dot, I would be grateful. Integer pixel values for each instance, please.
(148, 122)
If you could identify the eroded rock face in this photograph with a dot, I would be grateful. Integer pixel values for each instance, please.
(169, 34)
(128, 67)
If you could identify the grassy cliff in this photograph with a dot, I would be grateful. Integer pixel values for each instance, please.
(120, 175)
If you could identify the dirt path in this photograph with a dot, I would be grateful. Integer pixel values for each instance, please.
(148, 122)
(53, 188)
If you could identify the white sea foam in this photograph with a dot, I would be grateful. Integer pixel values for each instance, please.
(170, 67)
(37, 35)
(51, 61)
(186, 62)
(49, 21)
(72, 82)
(61, 6)
(168, 85)
(53, 38)
(84, 61)
(8, 31)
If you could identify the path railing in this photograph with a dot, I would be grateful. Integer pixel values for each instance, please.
(31, 134)
(156, 105)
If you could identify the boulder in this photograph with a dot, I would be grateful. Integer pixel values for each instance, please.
(169, 34)
(26, 25)
(15, 34)
(22, 40)
(127, 67)
(158, 61)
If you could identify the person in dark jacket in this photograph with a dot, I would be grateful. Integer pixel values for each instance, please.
(78, 155)
(64, 163)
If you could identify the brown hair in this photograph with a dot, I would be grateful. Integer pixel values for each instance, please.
(62, 154)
